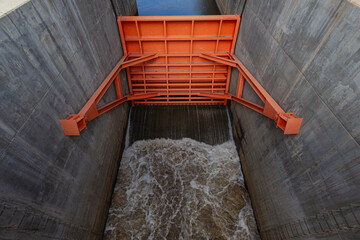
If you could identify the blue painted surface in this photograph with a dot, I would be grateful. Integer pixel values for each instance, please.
(176, 7)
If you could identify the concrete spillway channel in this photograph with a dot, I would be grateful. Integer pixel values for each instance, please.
(179, 172)
(180, 178)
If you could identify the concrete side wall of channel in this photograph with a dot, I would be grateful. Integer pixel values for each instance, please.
(53, 56)
(307, 55)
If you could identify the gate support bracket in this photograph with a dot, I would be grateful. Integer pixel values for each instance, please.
(288, 122)
(75, 123)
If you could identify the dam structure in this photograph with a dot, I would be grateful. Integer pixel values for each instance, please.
(155, 119)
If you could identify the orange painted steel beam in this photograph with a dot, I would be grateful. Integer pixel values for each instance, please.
(222, 60)
(288, 122)
(75, 123)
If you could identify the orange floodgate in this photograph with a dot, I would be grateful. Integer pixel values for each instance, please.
(180, 60)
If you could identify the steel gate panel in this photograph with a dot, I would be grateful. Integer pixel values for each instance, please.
(178, 74)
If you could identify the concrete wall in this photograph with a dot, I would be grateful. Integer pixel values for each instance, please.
(307, 55)
(230, 6)
(125, 7)
(53, 55)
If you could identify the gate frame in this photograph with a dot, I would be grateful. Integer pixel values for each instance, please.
(288, 122)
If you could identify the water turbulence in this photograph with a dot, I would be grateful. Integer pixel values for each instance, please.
(180, 189)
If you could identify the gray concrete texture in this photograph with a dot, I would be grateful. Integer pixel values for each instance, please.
(230, 6)
(307, 56)
(124, 7)
(53, 56)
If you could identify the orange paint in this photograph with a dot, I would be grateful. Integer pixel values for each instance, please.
(179, 72)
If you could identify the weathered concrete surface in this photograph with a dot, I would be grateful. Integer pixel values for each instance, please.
(125, 7)
(307, 55)
(204, 123)
(53, 55)
(230, 6)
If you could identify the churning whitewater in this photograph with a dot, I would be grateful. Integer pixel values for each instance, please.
(180, 189)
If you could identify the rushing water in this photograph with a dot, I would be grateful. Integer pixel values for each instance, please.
(180, 189)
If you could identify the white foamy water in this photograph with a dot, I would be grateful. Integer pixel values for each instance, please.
(180, 189)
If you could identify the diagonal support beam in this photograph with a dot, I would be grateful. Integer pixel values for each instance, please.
(117, 102)
(243, 101)
(288, 122)
(77, 122)
(217, 59)
(138, 60)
